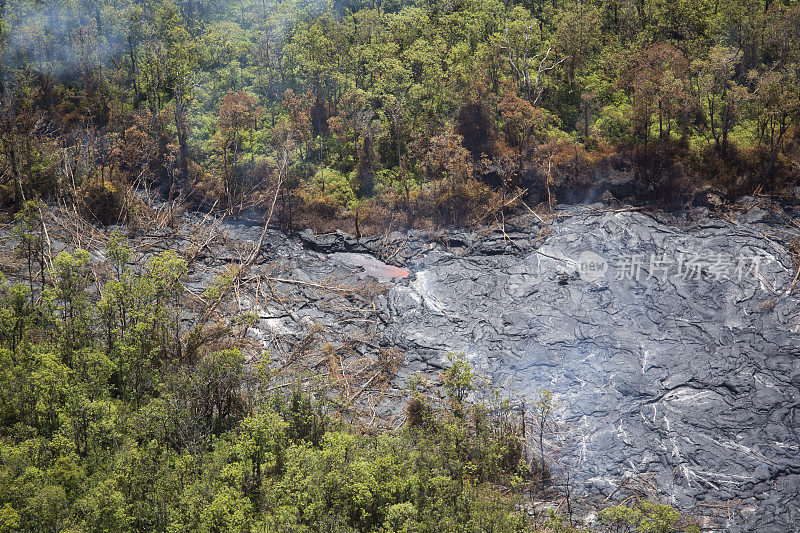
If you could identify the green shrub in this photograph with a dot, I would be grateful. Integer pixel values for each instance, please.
(644, 516)
(613, 124)
(334, 184)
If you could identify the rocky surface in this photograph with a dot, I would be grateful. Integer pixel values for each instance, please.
(678, 363)
(671, 347)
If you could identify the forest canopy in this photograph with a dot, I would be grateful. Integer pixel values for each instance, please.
(434, 109)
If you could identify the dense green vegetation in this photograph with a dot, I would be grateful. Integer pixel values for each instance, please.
(435, 110)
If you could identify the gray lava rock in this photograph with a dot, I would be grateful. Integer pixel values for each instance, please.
(680, 362)
(673, 357)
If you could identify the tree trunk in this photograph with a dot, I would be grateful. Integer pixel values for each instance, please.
(134, 74)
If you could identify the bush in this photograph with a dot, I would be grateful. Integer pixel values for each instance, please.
(613, 124)
(327, 195)
(418, 413)
(325, 206)
(334, 184)
(103, 202)
(644, 516)
(466, 202)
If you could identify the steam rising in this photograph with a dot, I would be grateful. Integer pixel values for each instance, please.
(56, 38)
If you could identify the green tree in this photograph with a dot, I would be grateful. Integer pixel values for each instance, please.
(30, 230)
(16, 316)
(776, 108)
(720, 97)
(458, 379)
(68, 300)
